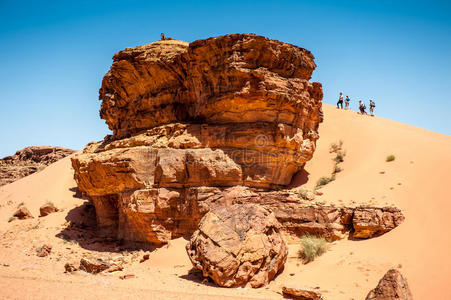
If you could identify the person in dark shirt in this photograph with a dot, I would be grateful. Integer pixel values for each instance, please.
(372, 106)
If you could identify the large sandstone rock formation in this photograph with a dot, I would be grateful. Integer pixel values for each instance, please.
(195, 126)
(226, 111)
(28, 161)
(238, 245)
(393, 286)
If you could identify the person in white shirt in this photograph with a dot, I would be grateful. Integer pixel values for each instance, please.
(340, 101)
(372, 106)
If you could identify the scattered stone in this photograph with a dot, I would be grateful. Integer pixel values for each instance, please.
(393, 286)
(69, 268)
(94, 266)
(47, 209)
(127, 276)
(238, 245)
(23, 213)
(304, 293)
(44, 250)
(115, 267)
(144, 258)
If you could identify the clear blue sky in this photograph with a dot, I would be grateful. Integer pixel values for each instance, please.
(55, 53)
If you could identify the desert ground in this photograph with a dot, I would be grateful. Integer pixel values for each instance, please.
(416, 181)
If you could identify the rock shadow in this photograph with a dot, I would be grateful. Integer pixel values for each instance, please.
(81, 228)
(196, 276)
(299, 179)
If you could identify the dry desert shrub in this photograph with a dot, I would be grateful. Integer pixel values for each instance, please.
(324, 180)
(390, 158)
(312, 247)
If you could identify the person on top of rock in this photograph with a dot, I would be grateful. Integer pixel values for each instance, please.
(347, 102)
(362, 107)
(162, 37)
(372, 106)
(340, 101)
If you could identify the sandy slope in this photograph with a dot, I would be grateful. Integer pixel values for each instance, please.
(417, 181)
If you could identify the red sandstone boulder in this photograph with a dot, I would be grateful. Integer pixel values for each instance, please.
(23, 213)
(47, 209)
(221, 112)
(393, 286)
(93, 266)
(370, 222)
(196, 126)
(238, 245)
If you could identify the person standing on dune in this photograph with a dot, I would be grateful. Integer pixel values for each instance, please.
(340, 101)
(372, 106)
(347, 102)
(362, 107)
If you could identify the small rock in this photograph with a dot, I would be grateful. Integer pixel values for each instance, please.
(69, 268)
(115, 267)
(127, 276)
(145, 257)
(393, 286)
(44, 250)
(47, 209)
(304, 293)
(318, 193)
(23, 213)
(94, 266)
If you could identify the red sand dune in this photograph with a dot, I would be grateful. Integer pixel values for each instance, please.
(416, 181)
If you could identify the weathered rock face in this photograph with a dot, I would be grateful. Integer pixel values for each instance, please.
(237, 78)
(28, 161)
(393, 286)
(369, 222)
(216, 113)
(238, 245)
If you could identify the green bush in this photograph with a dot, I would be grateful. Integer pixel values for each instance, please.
(340, 157)
(390, 158)
(311, 247)
(324, 180)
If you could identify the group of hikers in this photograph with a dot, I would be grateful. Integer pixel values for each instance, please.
(362, 106)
